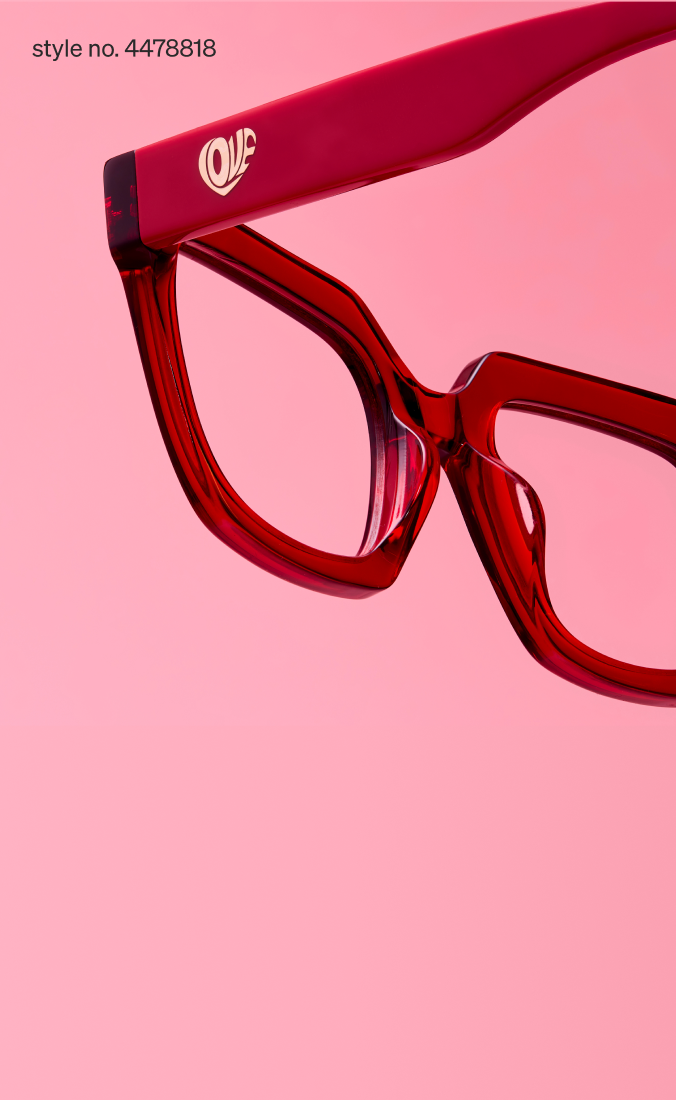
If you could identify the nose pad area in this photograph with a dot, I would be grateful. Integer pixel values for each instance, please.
(410, 466)
(506, 521)
(520, 523)
(524, 505)
(399, 472)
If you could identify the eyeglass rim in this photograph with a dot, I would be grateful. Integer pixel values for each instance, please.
(456, 430)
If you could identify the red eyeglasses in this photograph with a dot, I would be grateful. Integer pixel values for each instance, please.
(192, 192)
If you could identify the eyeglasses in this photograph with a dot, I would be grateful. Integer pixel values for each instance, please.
(192, 193)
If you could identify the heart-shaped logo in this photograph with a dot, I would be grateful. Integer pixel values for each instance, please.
(234, 160)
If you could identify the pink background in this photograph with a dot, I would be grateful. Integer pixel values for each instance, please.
(256, 842)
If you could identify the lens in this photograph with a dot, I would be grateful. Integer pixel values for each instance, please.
(610, 511)
(281, 411)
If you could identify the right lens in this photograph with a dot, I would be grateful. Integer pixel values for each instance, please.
(610, 511)
(280, 409)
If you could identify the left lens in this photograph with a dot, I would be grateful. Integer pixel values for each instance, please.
(610, 514)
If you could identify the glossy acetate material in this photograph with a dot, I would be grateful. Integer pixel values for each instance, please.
(400, 464)
(610, 511)
(404, 467)
(414, 432)
(288, 430)
(506, 518)
(406, 114)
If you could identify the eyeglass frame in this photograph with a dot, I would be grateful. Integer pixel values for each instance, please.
(414, 432)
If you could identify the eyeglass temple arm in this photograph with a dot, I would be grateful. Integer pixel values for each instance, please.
(397, 117)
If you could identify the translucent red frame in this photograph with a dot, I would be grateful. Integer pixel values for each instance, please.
(158, 201)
